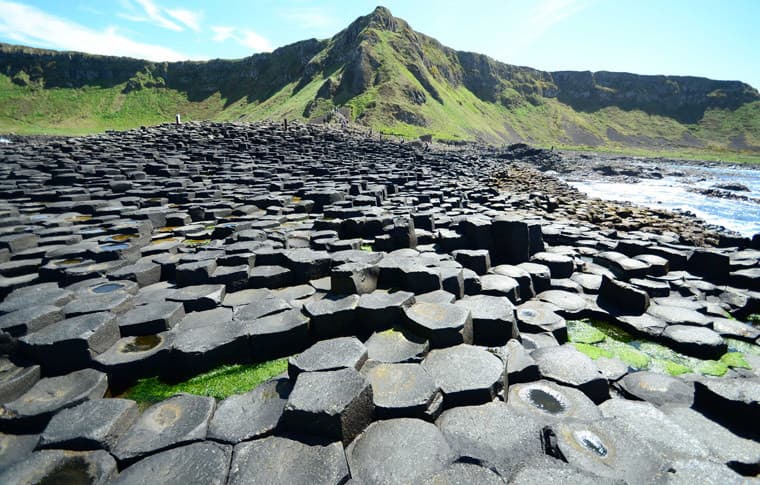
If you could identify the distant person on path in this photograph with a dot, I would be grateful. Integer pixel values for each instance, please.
(178, 119)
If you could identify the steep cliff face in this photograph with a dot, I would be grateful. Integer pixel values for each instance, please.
(387, 76)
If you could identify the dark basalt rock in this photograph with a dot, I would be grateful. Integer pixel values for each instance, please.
(15, 380)
(404, 391)
(536, 317)
(442, 324)
(336, 405)
(299, 460)
(699, 342)
(333, 316)
(493, 319)
(658, 389)
(92, 425)
(605, 448)
(251, 415)
(398, 451)
(204, 462)
(569, 367)
(394, 346)
(62, 466)
(15, 448)
(32, 410)
(730, 402)
(278, 335)
(30, 319)
(176, 421)
(151, 319)
(466, 374)
(492, 434)
(622, 297)
(333, 354)
(462, 472)
(548, 402)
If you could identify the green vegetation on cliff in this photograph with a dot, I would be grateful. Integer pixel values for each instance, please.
(384, 75)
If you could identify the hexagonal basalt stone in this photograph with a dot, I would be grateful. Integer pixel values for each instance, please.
(689, 471)
(15, 448)
(569, 305)
(261, 308)
(195, 273)
(442, 324)
(33, 409)
(521, 367)
(199, 348)
(478, 260)
(654, 426)
(251, 415)
(131, 358)
(199, 298)
(537, 317)
(546, 470)
(332, 354)
(92, 425)
(270, 276)
(14, 380)
(334, 404)
(178, 420)
(699, 342)
(403, 391)
(569, 367)
(549, 402)
(30, 319)
(61, 466)
(356, 278)
(116, 302)
(466, 374)
(605, 448)
(381, 309)
(307, 264)
(393, 346)
(462, 472)
(730, 402)
(278, 335)
(151, 319)
(72, 343)
(493, 319)
(492, 434)
(673, 315)
(500, 285)
(398, 451)
(197, 463)
(333, 316)
(560, 265)
(622, 298)
(658, 389)
(294, 460)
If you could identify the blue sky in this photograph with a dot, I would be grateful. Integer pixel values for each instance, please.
(711, 38)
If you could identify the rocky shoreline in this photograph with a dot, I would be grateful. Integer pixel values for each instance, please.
(426, 300)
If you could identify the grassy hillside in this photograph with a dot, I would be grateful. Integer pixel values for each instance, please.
(388, 77)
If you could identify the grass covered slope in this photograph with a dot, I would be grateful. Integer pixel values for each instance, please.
(384, 75)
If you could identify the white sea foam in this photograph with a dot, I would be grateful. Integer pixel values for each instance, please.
(670, 193)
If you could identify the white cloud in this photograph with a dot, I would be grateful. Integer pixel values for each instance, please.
(246, 38)
(29, 25)
(311, 18)
(153, 12)
(187, 17)
(543, 16)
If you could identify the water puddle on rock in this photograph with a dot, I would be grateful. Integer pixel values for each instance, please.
(602, 339)
(107, 288)
(591, 442)
(142, 344)
(546, 401)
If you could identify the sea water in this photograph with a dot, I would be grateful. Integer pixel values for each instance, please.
(671, 193)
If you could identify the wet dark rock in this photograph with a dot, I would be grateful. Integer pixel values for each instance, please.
(559, 265)
(730, 402)
(622, 297)
(333, 316)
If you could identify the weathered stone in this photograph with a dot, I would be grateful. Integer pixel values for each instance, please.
(333, 316)
(92, 425)
(493, 319)
(695, 341)
(288, 459)
(567, 366)
(466, 374)
(62, 466)
(251, 415)
(443, 325)
(205, 462)
(398, 451)
(548, 402)
(658, 389)
(403, 391)
(333, 354)
(179, 420)
(15, 381)
(394, 346)
(622, 297)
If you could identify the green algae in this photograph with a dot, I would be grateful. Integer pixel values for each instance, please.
(603, 339)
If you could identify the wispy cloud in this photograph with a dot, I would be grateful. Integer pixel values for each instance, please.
(187, 17)
(311, 18)
(246, 38)
(29, 25)
(543, 16)
(150, 11)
